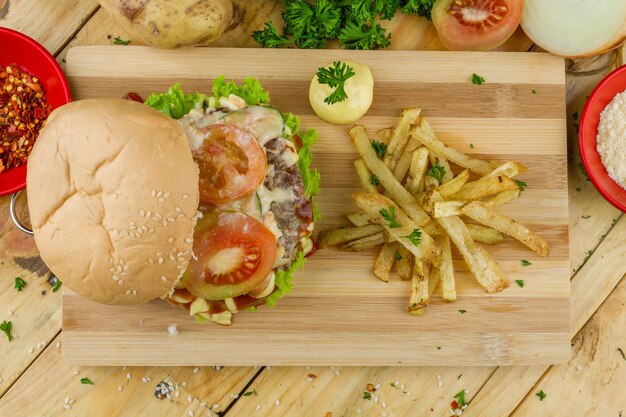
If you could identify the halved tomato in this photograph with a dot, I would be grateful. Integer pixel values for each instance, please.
(476, 25)
(233, 253)
(232, 164)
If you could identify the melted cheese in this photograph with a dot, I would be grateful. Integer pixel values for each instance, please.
(278, 195)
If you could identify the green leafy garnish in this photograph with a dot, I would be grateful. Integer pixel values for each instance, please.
(335, 77)
(521, 185)
(393, 385)
(526, 262)
(520, 282)
(390, 217)
(120, 41)
(175, 103)
(374, 180)
(367, 395)
(471, 146)
(269, 36)
(460, 398)
(462, 311)
(369, 35)
(250, 393)
(437, 172)
(19, 284)
(380, 148)
(415, 237)
(420, 7)
(541, 395)
(283, 280)
(398, 256)
(534, 91)
(477, 79)
(86, 381)
(6, 327)
(57, 285)
(250, 90)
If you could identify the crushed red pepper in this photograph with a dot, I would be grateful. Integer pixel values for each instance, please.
(23, 113)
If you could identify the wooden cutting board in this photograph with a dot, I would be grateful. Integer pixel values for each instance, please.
(339, 313)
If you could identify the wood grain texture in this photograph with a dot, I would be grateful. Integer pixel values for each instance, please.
(335, 287)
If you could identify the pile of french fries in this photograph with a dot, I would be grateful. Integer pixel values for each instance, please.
(413, 206)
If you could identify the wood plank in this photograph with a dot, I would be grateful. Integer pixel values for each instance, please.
(50, 23)
(541, 335)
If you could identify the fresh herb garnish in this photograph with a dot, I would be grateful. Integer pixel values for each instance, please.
(6, 327)
(374, 180)
(269, 37)
(120, 41)
(367, 395)
(380, 148)
(398, 256)
(460, 397)
(477, 79)
(415, 237)
(520, 282)
(393, 384)
(588, 216)
(526, 262)
(578, 189)
(19, 284)
(534, 92)
(619, 349)
(57, 285)
(86, 381)
(581, 166)
(459, 376)
(335, 77)
(250, 393)
(438, 347)
(521, 184)
(370, 35)
(462, 311)
(390, 216)
(471, 146)
(437, 172)
(541, 395)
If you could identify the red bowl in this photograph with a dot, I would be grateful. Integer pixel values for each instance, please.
(605, 91)
(19, 49)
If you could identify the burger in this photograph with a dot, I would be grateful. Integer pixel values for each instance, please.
(204, 201)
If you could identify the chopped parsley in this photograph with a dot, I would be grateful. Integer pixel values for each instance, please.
(120, 41)
(380, 148)
(374, 180)
(398, 256)
(6, 327)
(477, 79)
(526, 262)
(619, 349)
(575, 116)
(578, 189)
(269, 36)
(462, 311)
(459, 377)
(534, 92)
(588, 216)
(460, 397)
(393, 385)
(367, 395)
(581, 166)
(541, 395)
(335, 77)
(19, 284)
(520, 282)
(86, 381)
(438, 347)
(521, 185)
(415, 237)
(57, 285)
(250, 393)
(587, 256)
(390, 217)
(437, 172)
(471, 146)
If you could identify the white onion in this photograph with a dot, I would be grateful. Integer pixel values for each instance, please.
(575, 28)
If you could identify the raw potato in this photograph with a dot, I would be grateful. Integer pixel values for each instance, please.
(171, 23)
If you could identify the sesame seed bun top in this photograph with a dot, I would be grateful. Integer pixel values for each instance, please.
(112, 194)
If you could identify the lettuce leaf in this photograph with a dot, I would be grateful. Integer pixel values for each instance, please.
(251, 90)
(175, 103)
(283, 280)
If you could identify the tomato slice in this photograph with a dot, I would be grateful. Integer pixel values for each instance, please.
(233, 253)
(232, 164)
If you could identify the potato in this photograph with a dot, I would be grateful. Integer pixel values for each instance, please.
(171, 23)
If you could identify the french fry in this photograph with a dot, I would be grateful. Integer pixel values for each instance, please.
(502, 198)
(477, 211)
(448, 208)
(384, 135)
(364, 243)
(404, 162)
(404, 264)
(375, 205)
(443, 162)
(484, 234)
(365, 177)
(433, 229)
(417, 170)
(385, 260)
(420, 285)
(392, 186)
(343, 235)
(358, 219)
(446, 268)
(484, 187)
(509, 169)
(454, 185)
(432, 143)
(400, 136)
(484, 268)
(430, 183)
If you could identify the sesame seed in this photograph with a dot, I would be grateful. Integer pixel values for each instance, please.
(115, 278)
(76, 372)
(144, 380)
(151, 260)
(67, 406)
(159, 194)
(185, 196)
(277, 403)
(309, 379)
(258, 407)
(216, 406)
(120, 388)
(164, 222)
(170, 240)
(10, 313)
(359, 411)
(124, 368)
(202, 405)
(190, 413)
(153, 193)
(71, 401)
(148, 213)
(172, 258)
(383, 414)
(167, 194)
(120, 282)
(189, 399)
(58, 345)
(579, 368)
(195, 370)
(67, 400)
(177, 210)
(377, 386)
(189, 240)
(177, 393)
(164, 279)
(134, 292)
(30, 350)
(459, 412)
(158, 216)
(161, 200)
(183, 384)
(384, 404)
(128, 375)
(142, 213)
(160, 260)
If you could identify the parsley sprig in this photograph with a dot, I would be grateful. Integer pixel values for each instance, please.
(380, 148)
(19, 284)
(390, 217)
(86, 381)
(335, 76)
(477, 79)
(437, 172)
(120, 41)
(374, 180)
(6, 327)
(415, 237)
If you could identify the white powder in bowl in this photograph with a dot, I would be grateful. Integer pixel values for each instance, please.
(611, 139)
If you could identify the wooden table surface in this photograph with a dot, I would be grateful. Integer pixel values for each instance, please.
(34, 380)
